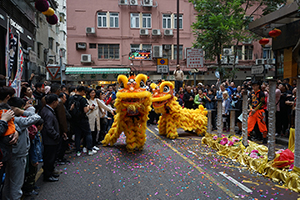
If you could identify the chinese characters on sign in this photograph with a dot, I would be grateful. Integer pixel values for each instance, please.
(162, 65)
(194, 59)
(256, 70)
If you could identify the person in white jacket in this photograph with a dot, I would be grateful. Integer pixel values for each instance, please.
(94, 114)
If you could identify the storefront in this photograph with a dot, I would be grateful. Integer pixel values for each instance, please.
(19, 24)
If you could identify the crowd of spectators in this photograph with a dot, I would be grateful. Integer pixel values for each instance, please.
(46, 122)
(231, 96)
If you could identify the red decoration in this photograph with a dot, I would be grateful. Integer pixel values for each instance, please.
(42, 5)
(264, 41)
(275, 33)
(52, 19)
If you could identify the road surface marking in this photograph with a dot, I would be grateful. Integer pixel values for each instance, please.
(221, 186)
(243, 187)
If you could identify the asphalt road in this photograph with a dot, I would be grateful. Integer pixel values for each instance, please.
(165, 169)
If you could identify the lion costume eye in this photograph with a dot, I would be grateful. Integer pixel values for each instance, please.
(166, 89)
(142, 84)
(121, 86)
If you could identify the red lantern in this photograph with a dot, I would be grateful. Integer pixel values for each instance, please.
(275, 33)
(264, 41)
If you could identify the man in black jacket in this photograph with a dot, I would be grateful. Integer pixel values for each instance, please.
(51, 136)
(188, 98)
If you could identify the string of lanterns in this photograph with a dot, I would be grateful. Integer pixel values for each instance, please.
(43, 7)
(273, 33)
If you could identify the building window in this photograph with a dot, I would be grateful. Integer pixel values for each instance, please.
(57, 45)
(114, 20)
(38, 50)
(147, 47)
(180, 21)
(166, 21)
(134, 20)
(92, 46)
(63, 52)
(167, 51)
(248, 19)
(146, 20)
(180, 52)
(267, 53)
(248, 52)
(50, 43)
(108, 51)
(240, 52)
(134, 47)
(64, 36)
(101, 20)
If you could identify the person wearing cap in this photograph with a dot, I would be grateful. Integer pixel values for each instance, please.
(257, 113)
(178, 73)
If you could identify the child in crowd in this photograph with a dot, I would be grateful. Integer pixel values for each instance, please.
(35, 157)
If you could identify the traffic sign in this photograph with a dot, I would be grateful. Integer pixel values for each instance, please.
(53, 70)
(194, 59)
(162, 65)
(255, 70)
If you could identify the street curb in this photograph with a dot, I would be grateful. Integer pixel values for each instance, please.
(283, 141)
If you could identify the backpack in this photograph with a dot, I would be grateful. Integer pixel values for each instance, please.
(76, 113)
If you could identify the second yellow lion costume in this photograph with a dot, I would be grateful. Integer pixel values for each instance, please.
(173, 115)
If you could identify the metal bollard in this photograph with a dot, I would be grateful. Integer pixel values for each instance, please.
(219, 118)
(209, 120)
(272, 120)
(232, 120)
(245, 119)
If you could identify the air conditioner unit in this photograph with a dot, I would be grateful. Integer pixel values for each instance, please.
(167, 47)
(81, 46)
(144, 32)
(231, 60)
(224, 60)
(123, 2)
(227, 52)
(260, 61)
(133, 2)
(270, 61)
(157, 52)
(90, 30)
(168, 32)
(147, 2)
(156, 32)
(86, 58)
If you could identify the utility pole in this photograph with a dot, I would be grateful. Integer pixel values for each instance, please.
(177, 32)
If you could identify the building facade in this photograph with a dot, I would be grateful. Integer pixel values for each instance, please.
(105, 39)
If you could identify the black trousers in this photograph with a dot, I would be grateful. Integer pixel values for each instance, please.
(30, 174)
(62, 147)
(49, 159)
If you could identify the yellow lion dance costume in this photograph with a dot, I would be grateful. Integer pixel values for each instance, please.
(132, 104)
(173, 115)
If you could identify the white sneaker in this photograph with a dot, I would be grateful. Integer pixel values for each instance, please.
(95, 148)
(84, 150)
(92, 152)
(78, 153)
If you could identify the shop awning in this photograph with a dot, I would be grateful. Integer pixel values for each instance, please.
(91, 70)
(287, 14)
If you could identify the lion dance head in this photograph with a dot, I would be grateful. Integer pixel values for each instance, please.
(132, 107)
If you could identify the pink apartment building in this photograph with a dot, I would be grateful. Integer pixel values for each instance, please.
(102, 35)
